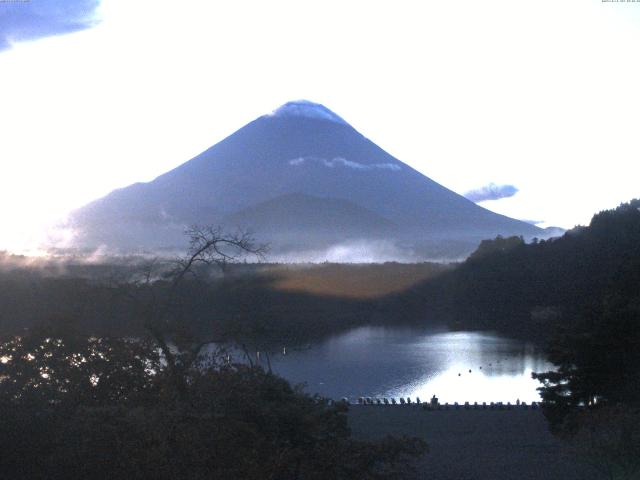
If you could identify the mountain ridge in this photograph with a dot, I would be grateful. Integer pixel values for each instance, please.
(280, 154)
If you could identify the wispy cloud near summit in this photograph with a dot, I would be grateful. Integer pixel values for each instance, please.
(343, 162)
(491, 191)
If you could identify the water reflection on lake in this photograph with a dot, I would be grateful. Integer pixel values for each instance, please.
(394, 362)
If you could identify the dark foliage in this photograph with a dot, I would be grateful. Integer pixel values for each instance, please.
(55, 365)
(609, 440)
(79, 407)
(598, 361)
(526, 290)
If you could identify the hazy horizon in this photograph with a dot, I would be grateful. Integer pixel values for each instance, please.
(528, 109)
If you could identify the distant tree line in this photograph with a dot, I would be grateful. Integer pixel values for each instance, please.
(257, 304)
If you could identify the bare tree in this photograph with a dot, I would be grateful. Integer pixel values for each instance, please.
(208, 246)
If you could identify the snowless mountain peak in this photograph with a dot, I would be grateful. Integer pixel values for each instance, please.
(305, 108)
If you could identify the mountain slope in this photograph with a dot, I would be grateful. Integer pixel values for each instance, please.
(305, 214)
(300, 148)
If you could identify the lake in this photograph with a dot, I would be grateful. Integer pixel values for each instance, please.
(409, 362)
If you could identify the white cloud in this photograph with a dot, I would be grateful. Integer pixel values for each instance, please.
(297, 161)
(491, 191)
(343, 162)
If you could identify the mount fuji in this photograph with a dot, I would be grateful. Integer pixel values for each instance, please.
(304, 180)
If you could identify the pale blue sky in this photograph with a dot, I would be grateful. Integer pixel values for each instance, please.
(540, 95)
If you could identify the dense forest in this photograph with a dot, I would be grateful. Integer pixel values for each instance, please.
(525, 289)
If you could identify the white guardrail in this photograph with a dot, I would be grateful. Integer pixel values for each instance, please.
(436, 405)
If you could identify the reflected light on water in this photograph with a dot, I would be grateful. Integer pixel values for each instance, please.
(451, 386)
(404, 362)
(476, 367)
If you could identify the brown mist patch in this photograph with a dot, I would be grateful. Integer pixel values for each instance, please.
(355, 280)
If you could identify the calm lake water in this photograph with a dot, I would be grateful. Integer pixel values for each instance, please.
(395, 362)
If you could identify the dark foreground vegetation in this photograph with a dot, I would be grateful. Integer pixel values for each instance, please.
(74, 405)
(79, 407)
(478, 444)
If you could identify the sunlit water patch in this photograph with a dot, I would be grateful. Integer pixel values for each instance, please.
(402, 362)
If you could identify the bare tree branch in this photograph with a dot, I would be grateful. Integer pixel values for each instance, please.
(155, 297)
(208, 246)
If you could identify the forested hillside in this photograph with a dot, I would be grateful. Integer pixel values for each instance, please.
(578, 295)
(526, 289)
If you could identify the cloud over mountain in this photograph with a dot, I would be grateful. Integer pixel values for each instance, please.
(29, 20)
(491, 191)
(343, 162)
